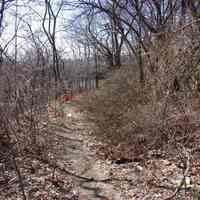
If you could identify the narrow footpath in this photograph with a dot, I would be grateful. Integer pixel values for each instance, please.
(100, 179)
(94, 177)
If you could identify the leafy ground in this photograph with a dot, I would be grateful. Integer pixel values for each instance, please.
(80, 167)
(96, 174)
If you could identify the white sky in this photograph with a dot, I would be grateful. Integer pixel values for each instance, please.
(30, 15)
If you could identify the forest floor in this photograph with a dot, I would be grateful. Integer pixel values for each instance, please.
(76, 169)
(98, 178)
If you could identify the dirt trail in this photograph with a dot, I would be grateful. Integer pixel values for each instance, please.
(97, 179)
(91, 175)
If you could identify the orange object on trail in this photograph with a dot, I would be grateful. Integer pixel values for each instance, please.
(66, 97)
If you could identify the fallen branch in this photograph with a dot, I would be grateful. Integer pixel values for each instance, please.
(19, 177)
(84, 178)
(183, 180)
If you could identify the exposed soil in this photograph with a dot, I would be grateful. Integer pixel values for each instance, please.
(91, 175)
(97, 178)
(80, 168)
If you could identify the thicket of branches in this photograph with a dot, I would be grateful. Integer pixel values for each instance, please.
(28, 83)
(152, 103)
(118, 28)
(157, 39)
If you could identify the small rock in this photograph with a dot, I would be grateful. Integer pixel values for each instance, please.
(139, 168)
(35, 164)
(69, 115)
(166, 162)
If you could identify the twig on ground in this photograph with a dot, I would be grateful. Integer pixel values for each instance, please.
(19, 177)
(185, 173)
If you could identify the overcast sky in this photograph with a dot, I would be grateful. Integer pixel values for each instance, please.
(32, 13)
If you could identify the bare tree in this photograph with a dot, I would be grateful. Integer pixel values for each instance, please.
(105, 29)
(194, 7)
(3, 6)
(51, 17)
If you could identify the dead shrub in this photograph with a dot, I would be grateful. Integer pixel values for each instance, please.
(158, 113)
(122, 108)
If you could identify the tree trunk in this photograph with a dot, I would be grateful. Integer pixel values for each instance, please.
(118, 59)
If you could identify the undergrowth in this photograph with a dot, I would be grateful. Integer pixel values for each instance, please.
(133, 118)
